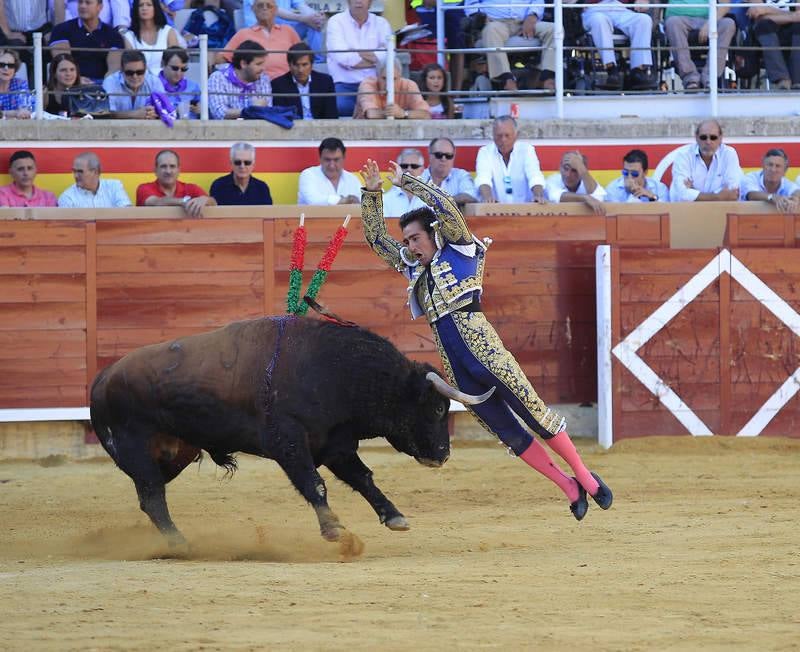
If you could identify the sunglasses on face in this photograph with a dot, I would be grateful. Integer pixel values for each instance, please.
(441, 155)
(181, 68)
(131, 73)
(237, 162)
(708, 137)
(5, 65)
(412, 166)
(632, 173)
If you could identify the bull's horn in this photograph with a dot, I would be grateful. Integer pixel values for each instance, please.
(447, 390)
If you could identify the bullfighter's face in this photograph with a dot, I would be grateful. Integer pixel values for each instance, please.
(419, 242)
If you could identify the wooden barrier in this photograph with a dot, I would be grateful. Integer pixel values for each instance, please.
(762, 230)
(82, 290)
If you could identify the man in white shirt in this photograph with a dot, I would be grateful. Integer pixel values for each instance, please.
(397, 201)
(89, 190)
(507, 171)
(329, 183)
(354, 29)
(574, 183)
(441, 172)
(771, 185)
(707, 170)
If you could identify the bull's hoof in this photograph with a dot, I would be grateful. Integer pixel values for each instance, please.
(332, 532)
(398, 524)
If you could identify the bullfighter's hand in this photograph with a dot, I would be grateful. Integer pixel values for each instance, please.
(395, 174)
(371, 174)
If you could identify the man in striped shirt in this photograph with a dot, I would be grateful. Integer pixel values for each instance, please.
(241, 84)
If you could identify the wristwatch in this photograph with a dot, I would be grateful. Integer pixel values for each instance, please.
(770, 197)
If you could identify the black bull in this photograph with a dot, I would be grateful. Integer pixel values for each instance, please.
(300, 391)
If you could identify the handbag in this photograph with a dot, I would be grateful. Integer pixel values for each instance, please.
(89, 99)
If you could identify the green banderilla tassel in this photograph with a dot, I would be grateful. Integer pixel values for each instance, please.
(293, 297)
(313, 289)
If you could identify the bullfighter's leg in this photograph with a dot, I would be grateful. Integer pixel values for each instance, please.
(352, 471)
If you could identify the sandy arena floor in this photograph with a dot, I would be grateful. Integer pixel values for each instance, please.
(699, 552)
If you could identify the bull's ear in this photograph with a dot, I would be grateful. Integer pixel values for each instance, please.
(417, 385)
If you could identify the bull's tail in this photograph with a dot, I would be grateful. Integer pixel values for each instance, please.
(226, 461)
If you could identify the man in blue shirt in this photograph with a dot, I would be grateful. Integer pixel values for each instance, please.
(130, 88)
(634, 184)
(240, 187)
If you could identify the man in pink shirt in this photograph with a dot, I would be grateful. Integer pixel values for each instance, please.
(275, 37)
(22, 193)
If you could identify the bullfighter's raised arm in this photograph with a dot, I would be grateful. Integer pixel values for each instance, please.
(372, 218)
(452, 225)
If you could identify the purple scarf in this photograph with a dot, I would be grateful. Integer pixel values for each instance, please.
(180, 87)
(230, 75)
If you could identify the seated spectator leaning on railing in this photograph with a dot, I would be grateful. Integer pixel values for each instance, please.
(240, 84)
(634, 185)
(88, 31)
(240, 187)
(311, 93)
(574, 183)
(372, 99)
(129, 89)
(508, 171)
(356, 42)
(271, 36)
(329, 183)
(168, 190)
(771, 185)
(21, 192)
(20, 20)
(397, 201)
(706, 170)
(454, 181)
(149, 32)
(15, 99)
(434, 89)
(776, 23)
(63, 74)
(183, 93)
(304, 20)
(89, 190)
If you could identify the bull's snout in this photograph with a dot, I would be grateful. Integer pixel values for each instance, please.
(426, 461)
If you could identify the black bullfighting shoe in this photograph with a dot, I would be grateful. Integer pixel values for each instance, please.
(603, 497)
(580, 506)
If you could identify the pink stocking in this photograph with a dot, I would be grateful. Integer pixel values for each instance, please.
(563, 445)
(536, 456)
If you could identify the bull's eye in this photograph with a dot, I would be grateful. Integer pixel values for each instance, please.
(440, 410)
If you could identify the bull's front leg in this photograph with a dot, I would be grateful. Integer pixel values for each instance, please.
(357, 475)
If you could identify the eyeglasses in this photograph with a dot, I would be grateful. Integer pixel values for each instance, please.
(181, 68)
(632, 173)
(5, 65)
(239, 161)
(413, 166)
(441, 155)
(507, 184)
(139, 72)
(708, 137)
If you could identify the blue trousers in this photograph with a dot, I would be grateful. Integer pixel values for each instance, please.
(474, 360)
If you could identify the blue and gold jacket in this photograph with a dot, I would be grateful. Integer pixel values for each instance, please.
(455, 276)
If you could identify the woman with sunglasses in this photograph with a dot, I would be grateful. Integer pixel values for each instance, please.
(62, 74)
(444, 264)
(150, 33)
(15, 99)
(183, 93)
(433, 86)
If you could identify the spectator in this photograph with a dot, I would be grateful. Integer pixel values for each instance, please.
(397, 201)
(356, 42)
(240, 84)
(240, 187)
(129, 89)
(89, 190)
(507, 171)
(454, 181)
(20, 20)
(88, 31)
(63, 74)
(329, 183)
(167, 190)
(277, 38)
(602, 19)
(149, 33)
(15, 99)
(433, 86)
(707, 170)
(680, 21)
(372, 98)
(304, 20)
(311, 93)
(776, 25)
(453, 31)
(771, 185)
(523, 22)
(21, 192)
(184, 93)
(574, 183)
(634, 185)
(116, 13)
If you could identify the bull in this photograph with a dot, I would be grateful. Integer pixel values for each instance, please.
(301, 391)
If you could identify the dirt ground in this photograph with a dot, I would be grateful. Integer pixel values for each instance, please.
(699, 551)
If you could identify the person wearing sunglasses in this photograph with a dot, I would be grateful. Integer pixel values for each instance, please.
(443, 262)
(129, 89)
(706, 170)
(183, 93)
(240, 187)
(396, 200)
(15, 99)
(574, 183)
(634, 185)
(441, 172)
